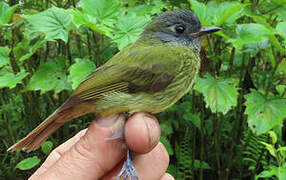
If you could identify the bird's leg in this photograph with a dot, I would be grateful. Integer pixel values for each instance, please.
(128, 167)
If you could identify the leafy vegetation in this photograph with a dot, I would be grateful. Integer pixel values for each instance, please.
(230, 126)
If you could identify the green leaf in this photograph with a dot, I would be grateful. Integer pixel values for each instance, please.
(6, 13)
(130, 27)
(4, 56)
(279, 2)
(281, 13)
(166, 127)
(172, 169)
(250, 33)
(80, 18)
(53, 22)
(105, 11)
(271, 36)
(282, 151)
(281, 29)
(281, 173)
(217, 13)
(271, 149)
(33, 46)
(264, 113)
(47, 147)
(200, 10)
(282, 66)
(219, 95)
(8, 79)
(201, 164)
(227, 12)
(28, 163)
(167, 145)
(273, 136)
(193, 118)
(50, 76)
(79, 71)
(281, 89)
(153, 7)
(267, 173)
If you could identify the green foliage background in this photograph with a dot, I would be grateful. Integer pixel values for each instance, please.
(230, 126)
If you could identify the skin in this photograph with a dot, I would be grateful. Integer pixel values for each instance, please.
(87, 154)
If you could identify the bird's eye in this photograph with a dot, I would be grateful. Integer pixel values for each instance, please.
(179, 29)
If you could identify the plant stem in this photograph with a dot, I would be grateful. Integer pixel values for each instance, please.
(272, 76)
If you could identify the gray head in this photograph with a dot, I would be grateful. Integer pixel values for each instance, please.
(180, 27)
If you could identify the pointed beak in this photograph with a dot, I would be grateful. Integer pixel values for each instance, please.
(206, 30)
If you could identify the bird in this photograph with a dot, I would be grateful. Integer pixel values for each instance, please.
(149, 75)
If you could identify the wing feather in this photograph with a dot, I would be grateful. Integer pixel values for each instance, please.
(130, 72)
(96, 93)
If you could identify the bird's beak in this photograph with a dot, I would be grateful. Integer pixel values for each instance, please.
(206, 30)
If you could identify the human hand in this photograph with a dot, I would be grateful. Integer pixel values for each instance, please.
(88, 155)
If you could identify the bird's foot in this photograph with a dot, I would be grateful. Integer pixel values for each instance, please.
(128, 168)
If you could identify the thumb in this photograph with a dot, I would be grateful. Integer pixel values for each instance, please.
(86, 159)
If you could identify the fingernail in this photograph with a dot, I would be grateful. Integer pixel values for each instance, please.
(153, 132)
(107, 121)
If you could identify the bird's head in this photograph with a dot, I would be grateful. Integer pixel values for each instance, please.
(181, 27)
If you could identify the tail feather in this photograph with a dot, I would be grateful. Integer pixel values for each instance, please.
(38, 136)
(35, 138)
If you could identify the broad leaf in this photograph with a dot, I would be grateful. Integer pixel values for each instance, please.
(217, 13)
(201, 11)
(279, 3)
(129, 30)
(281, 29)
(219, 95)
(79, 71)
(226, 12)
(6, 13)
(281, 88)
(250, 33)
(47, 147)
(50, 76)
(153, 7)
(279, 172)
(4, 56)
(32, 47)
(8, 79)
(53, 22)
(28, 163)
(80, 18)
(264, 113)
(105, 11)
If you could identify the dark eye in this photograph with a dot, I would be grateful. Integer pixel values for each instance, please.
(180, 29)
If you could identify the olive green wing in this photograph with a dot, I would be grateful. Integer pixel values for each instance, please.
(131, 71)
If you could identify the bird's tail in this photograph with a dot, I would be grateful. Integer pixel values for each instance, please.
(36, 138)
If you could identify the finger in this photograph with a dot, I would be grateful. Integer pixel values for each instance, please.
(86, 159)
(152, 165)
(58, 152)
(142, 132)
(167, 176)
